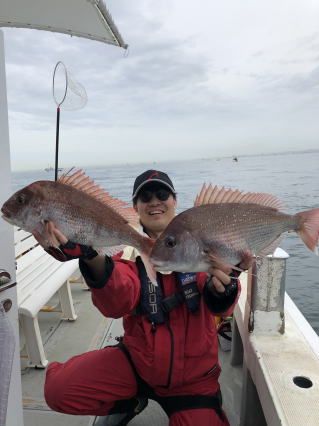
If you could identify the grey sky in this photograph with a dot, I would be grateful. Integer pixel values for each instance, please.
(200, 80)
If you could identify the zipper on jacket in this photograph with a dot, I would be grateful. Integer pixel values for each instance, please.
(211, 370)
(172, 357)
(153, 327)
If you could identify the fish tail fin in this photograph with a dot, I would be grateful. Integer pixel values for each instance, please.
(151, 273)
(145, 256)
(308, 229)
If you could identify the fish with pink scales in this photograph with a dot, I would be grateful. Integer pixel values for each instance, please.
(223, 225)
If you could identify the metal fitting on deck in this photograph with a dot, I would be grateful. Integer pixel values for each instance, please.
(266, 293)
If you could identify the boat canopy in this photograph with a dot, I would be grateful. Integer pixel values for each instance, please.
(83, 18)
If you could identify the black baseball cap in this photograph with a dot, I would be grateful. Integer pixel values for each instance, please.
(152, 176)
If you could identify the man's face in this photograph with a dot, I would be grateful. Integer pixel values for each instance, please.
(155, 214)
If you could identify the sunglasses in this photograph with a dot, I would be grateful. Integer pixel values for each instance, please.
(146, 195)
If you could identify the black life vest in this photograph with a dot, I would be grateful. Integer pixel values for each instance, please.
(154, 306)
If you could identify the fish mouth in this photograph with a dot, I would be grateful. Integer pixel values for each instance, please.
(163, 268)
(157, 264)
(7, 219)
(5, 213)
(4, 210)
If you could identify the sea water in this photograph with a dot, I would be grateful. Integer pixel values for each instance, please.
(292, 177)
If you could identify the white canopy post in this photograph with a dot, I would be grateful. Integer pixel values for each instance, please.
(83, 18)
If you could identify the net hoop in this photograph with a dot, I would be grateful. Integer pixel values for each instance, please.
(60, 63)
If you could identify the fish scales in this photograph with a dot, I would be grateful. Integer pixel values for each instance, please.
(84, 219)
(243, 221)
(244, 226)
(89, 222)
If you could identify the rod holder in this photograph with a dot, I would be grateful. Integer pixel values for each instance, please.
(266, 293)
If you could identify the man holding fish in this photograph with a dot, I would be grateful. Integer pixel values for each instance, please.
(169, 351)
(170, 338)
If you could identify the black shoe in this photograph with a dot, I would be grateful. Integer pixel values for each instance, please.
(122, 419)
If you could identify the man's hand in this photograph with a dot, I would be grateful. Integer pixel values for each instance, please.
(50, 237)
(221, 278)
(58, 246)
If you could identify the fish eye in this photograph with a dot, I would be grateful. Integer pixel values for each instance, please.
(170, 241)
(21, 198)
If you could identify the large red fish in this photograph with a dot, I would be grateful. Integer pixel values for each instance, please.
(223, 225)
(82, 210)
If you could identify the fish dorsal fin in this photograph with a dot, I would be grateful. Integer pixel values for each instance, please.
(80, 181)
(213, 195)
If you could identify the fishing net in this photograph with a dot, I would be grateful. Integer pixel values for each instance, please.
(67, 91)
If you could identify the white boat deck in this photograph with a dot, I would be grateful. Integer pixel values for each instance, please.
(90, 331)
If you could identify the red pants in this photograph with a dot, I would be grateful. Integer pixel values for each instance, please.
(89, 384)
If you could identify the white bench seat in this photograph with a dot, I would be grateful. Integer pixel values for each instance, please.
(39, 277)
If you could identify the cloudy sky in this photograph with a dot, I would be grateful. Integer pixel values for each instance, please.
(200, 79)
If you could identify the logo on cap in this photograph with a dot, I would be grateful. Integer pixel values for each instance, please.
(153, 175)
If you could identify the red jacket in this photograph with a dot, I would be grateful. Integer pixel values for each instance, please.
(183, 350)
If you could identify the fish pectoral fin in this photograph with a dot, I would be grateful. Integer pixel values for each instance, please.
(219, 263)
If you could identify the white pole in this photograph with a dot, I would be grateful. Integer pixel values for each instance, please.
(14, 415)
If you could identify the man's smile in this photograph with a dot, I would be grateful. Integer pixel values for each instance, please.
(155, 212)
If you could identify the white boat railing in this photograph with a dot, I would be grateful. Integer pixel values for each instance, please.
(278, 348)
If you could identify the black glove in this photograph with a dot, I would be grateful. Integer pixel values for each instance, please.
(229, 289)
(70, 250)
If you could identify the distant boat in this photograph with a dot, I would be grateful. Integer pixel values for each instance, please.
(50, 169)
(235, 159)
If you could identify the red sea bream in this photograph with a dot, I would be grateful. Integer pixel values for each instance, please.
(225, 223)
(81, 210)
